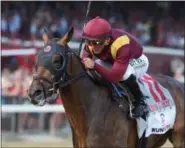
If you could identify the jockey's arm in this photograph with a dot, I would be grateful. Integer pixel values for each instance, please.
(119, 67)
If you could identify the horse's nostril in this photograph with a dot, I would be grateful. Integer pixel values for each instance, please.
(38, 92)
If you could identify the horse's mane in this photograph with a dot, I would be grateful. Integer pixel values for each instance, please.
(70, 51)
(91, 73)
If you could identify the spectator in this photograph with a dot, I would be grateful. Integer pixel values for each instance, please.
(34, 28)
(15, 24)
(177, 67)
(6, 84)
(4, 24)
(62, 26)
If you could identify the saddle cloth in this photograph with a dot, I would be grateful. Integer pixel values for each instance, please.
(161, 106)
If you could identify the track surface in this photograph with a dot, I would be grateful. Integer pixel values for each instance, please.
(64, 143)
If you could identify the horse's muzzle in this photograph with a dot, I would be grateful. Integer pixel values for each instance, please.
(37, 98)
(52, 98)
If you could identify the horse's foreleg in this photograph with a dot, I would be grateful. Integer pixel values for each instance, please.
(78, 141)
(177, 139)
(74, 139)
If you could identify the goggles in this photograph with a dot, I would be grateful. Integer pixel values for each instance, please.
(95, 43)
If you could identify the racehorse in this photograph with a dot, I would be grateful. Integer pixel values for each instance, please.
(95, 120)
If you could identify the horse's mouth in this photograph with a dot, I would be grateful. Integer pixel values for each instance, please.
(52, 98)
(42, 101)
(40, 98)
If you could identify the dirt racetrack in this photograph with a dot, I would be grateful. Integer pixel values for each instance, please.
(61, 144)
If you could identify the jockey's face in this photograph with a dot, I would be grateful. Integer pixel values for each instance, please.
(97, 46)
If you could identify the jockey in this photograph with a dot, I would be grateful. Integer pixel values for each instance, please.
(119, 57)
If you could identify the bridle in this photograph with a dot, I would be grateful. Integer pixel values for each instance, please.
(56, 84)
(63, 81)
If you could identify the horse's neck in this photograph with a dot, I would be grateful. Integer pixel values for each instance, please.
(79, 89)
(77, 98)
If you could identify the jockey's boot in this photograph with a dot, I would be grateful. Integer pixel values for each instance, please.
(140, 108)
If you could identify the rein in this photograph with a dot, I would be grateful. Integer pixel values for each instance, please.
(64, 83)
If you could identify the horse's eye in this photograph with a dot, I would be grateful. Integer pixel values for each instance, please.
(57, 62)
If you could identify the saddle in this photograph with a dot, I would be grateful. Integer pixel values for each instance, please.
(120, 93)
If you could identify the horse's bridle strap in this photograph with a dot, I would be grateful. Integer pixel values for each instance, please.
(39, 77)
(62, 82)
(65, 83)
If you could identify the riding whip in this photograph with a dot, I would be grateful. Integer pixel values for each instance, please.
(86, 16)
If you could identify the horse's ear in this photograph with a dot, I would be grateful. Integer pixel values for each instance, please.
(66, 38)
(45, 36)
(70, 34)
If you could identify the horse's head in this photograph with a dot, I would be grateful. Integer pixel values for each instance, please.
(51, 66)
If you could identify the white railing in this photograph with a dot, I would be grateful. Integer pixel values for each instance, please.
(31, 108)
(163, 51)
(147, 49)
(75, 46)
(18, 52)
(13, 112)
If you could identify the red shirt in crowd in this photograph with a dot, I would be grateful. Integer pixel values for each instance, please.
(127, 47)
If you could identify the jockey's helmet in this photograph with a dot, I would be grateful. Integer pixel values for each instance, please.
(97, 29)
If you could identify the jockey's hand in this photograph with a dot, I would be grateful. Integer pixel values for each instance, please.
(88, 63)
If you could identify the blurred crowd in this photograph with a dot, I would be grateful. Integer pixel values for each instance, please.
(152, 23)
(15, 81)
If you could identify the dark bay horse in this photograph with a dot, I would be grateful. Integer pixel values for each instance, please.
(96, 121)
